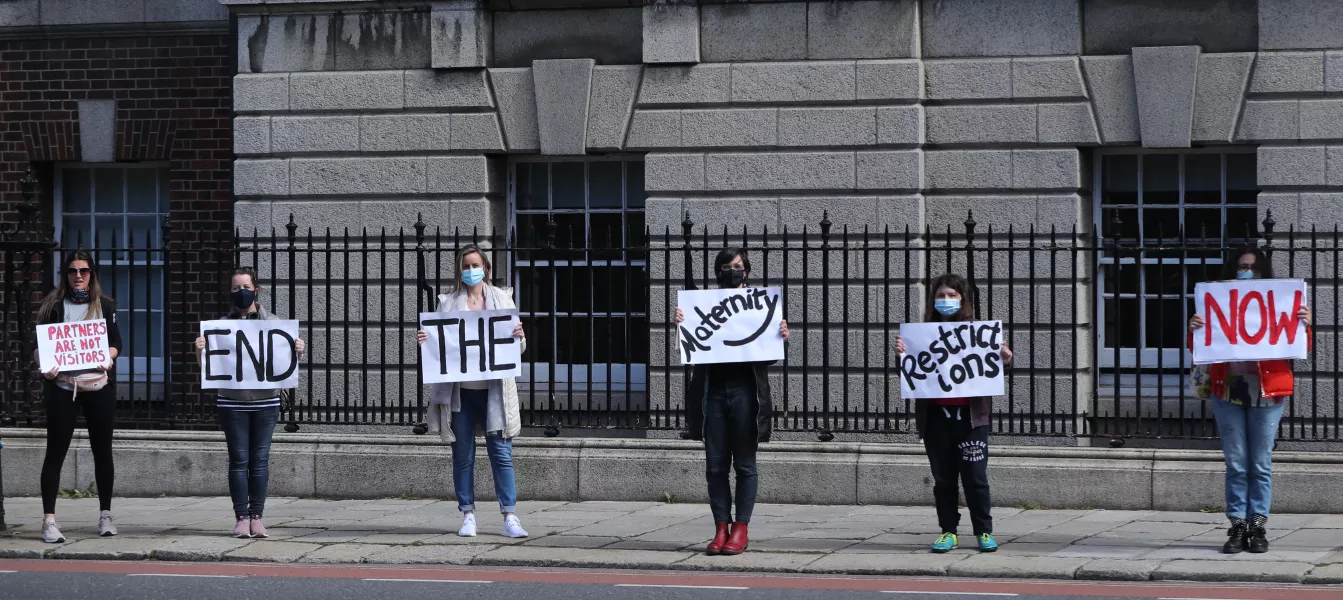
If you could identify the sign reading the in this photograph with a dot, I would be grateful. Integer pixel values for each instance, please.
(73, 346)
(471, 345)
(952, 360)
(731, 325)
(1249, 320)
(245, 354)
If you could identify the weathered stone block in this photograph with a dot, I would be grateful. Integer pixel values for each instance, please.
(376, 40)
(654, 129)
(261, 93)
(460, 88)
(1291, 24)
(347, 90)
(251, 135)
(1112, 91)
(97, 130)
(276, 43)
(1291, 166)
(261, 177)
(80, 12)
(611, 36)
(1322, 119)
(1047, 78)
(968, 169)
(460, 38)
(611, 102)
(748, 32)
(1288, 72)
(1018, 211)
(291, 135)
(900, 125)
(1164, 80)
(736, 127)
(890, 80)
(793, 82)
(517, 108)
(405, 133)
(982, 124)
(460, 175)
(20, 13)
(476, 131)
(673, 172)
(896, 170)
(1270, 120)
(1333, 175)
(779, 171)
(701, 84)
(562, 91)
(993, 28)
(357, 176)
(827, 126)
(989, 79)
(1067, 124)
(671, 34)
(1222, 79)
(1046, 169)
(1333, 71)
(1116, 27)
(863, 29)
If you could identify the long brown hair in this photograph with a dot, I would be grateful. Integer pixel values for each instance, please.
(962, 287)
(58, 295)
(484, 261)
(1262, 266)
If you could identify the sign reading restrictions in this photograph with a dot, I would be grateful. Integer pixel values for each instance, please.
(1248, 320)
(470, 345)
(72, 346)
(952, 360)
(245, 354)
(731, 325)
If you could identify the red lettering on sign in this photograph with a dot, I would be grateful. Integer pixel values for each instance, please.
(1287, 323)
(1229, 325)
(1244, 309)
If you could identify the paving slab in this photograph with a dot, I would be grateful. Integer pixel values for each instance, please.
(426, 555)
(1023, 567)
(1107, 569)
(1324, 539)
(110, 548)
(1230, 570)
(1185, 517)
(1162, 529)
(452, 539)
(630, 527)
(271, 551)
(836, 534)
(328, 536)
(749, 561)
(17, 547)
(885, 564)
(788, 544)
(523, 556)
(1101, 552)
(342, 553)
(1025, 549)
(640, 544)
(199, 548)
(286, 533)
(1327, 574)
(572, 541)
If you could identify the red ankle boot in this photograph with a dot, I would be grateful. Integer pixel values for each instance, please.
(736, 541)
(719, 538)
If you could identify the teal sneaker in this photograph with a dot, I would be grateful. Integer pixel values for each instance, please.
(945, 543)
(987, 543)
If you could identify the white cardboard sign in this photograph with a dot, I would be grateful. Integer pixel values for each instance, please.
(470, 345)
(1249, 320)
(245, 354)
(730, 325)
(952, 360)
(73, 346)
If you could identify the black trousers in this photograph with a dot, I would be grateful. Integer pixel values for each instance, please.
(958, 450)
(730, 441)
(99, 410)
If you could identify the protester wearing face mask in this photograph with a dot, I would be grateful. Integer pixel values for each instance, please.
(456, 410)
(92, 393)
(955, 431)
(728, 406)
(1246, 398)
(248, 418)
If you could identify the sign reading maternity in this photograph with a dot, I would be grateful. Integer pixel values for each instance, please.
(952, 360)
(470, 345)
(730, 325)
(1249, 320)
(72, 346)
(249, 355)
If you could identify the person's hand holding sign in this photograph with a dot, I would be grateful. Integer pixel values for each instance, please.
(517, 331)
(49, 375)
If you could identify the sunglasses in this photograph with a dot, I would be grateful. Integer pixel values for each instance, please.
(83, 271)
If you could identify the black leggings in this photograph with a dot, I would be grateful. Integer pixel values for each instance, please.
(99, 409)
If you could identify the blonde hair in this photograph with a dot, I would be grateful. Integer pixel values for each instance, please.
(462, 253)
(48, 306)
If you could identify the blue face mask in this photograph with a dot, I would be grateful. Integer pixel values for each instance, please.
(1244, 274)
(473, 277)
(947, 306)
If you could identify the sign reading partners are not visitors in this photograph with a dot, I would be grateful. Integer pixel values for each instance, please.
(730, 325)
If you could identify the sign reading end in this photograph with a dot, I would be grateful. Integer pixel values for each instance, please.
(249, 355)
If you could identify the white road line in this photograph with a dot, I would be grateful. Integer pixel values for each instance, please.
(179, 575)
(1193, 599)
(999, 594)
(8, 571)
(684, 587)
(431, 580)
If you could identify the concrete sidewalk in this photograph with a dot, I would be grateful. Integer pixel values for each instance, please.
(869, 540)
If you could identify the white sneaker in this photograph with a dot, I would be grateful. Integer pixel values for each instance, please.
(50, 534)
(106, 527)
(468, 526)
(513, 528)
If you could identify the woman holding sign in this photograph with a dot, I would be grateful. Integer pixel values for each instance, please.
(68, 394)
(457, 409)
(729, 407)
(955, 431)
(1246, 398)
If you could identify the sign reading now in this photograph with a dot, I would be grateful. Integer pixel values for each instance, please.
(1249, 320)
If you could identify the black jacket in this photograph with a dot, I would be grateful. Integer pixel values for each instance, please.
(109, 309)
(981, 409)
(698, 393)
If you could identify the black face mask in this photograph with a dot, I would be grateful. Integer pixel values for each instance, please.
(731, 278)
(243, 299)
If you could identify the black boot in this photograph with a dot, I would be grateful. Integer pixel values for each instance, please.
(1236, 537)
(1257, 540)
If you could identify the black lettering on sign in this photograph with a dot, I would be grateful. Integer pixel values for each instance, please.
(209, 372)
(696, 336)
(488, 345)
(440, 325)
(257, 356)
(950, 346)
(495, 342)
(293, 357)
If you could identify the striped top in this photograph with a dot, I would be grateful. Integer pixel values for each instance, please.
(226, 403)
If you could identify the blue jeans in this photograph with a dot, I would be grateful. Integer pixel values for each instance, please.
(475, 404)
(248, 434)
(1247, 443)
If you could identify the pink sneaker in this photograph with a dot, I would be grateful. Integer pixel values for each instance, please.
(259, 528)
(242, 529)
